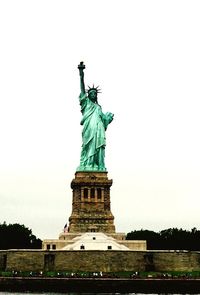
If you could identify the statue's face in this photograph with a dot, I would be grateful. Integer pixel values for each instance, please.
(93, 95)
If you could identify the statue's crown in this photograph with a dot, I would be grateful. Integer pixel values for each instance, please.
(93, 88)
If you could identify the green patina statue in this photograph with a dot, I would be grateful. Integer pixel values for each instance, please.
(95, 123)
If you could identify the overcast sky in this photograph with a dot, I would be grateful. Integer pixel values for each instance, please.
(145, 55)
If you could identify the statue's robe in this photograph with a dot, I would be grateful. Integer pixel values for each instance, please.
(93, 135)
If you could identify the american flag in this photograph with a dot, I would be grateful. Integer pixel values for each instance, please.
(65, 228)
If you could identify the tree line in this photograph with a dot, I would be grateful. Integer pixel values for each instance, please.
(168, 239)
(17, 236)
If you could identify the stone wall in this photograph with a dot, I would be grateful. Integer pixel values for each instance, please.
(3, 260)
(176, 260)
(25, 260)
(105, 261)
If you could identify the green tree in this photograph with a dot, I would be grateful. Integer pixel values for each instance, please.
(17, 236)
(152, 238)
(168, 239)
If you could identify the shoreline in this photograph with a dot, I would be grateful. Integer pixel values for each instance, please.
(91, 285)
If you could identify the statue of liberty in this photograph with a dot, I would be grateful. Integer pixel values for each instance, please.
(95, 123)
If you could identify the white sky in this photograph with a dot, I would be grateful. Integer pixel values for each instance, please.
(145, 55)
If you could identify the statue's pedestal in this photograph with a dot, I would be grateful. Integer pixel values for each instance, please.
(91, 224)
(91, 203)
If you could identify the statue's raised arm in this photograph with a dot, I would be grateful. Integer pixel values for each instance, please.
(81, 67)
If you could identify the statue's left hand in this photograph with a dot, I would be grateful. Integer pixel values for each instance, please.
(110, 116)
